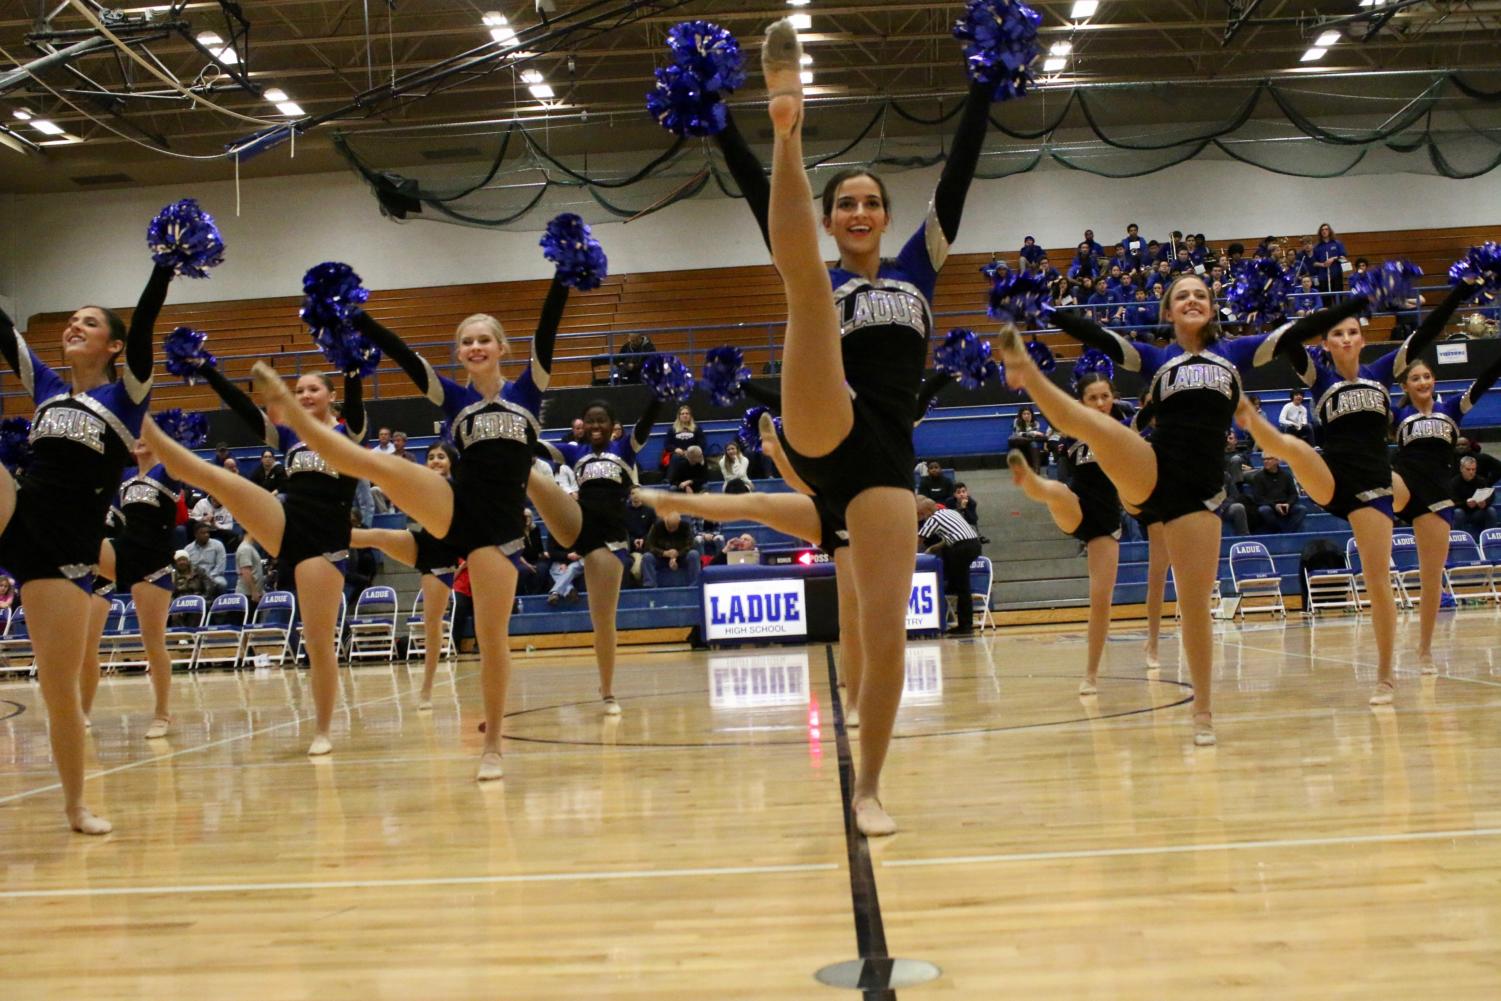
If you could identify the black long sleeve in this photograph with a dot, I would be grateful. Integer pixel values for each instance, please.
(1078, 325)
(413, 364)
(546, 337)
(354, 408)
(964, 158)
(1481, 385)
(140, 348)
(648, 420)
(1431, 328)
(1291, 338)
(10, 346)
(748, 173)
(766, 397)
(931, 387)
(243, 406)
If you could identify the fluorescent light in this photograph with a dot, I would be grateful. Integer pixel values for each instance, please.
(807, 76)
(1061, 48)
(531, 76)
(208, 40)
(275, 95)
(290, 108)
(45, 127)
(1313, 55)
(807, 59)
(63, 140)
(542, 91)
(802, 22)
(227, 56)
(1328, 39)
(1083, 9)
(494, 19)
(503, 35)
(798, 3)
(22, 114)
(1054, 64)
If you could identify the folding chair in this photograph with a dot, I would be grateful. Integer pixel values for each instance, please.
(1467, 572)
(1255, 578)
(372, 627)
(113, 622)
(127, 648)
(1405, 566)
(184, 619)
(417, 636)
(219, 639)
(15, 645)
(1362, 583)
(1490, 546)
(981, 578)
(270, 628)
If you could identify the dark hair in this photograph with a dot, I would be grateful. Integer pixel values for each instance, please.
(117, 332)
(1236, 248)
(1088, 379)
(961, 486)
(1211, 332)
(1361, 260)
(1321, 229)
(602, 405)
(1130, 226)
(831, 190)
(446, 449)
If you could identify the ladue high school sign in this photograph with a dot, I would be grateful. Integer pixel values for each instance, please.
(768, 608)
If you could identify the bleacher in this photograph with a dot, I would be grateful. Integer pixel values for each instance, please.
(684, 312)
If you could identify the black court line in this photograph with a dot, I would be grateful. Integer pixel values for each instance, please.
(870, 930)
(16, 709)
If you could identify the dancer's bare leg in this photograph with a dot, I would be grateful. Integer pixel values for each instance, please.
(435, 597)
(253, 506)
(1156, 590)
(817, 411)
(152, 605)
(1193, 546)
(493, 577)
(423, 494)
(1124, 455)
(1432, 534)
(883, 548)
(397, 543)
(602, 573)
(560, 512)
(771, 445)
(91, 670)
(790, 514)
(851, 645)
(319, 585)
(1062, 503)
(54, 608)
(1373, 539)
(1103, 554)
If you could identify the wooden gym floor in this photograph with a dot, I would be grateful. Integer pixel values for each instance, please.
(1052, 847)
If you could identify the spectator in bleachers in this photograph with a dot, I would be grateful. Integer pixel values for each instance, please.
(638, 521)
(744, 543)
(1328, 261)
(189, 579)
(399, 447)
(383, 441)
(1307, 301)
(269, 473)
(1031, 253)
(1487, 467)
(689, 472)
(208, 554)
(218, 519)
(1084, 264)
(565, 568)
(1474, 509)
(7, 591)
(528, 575)
(967, 506)
(735, 468)
(1232, 510)
(669, 545)
(1293, 419)
(1133, 246)
(934, 485)
(232, 464)
(1276, 498)
(630, 355)
(1027, 436)
(463, 607)
(577, 435)
(683, 435)
(250, 570)
(1093, 244)
(221, 453)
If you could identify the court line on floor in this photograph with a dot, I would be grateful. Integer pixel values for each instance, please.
(1225, 846)
(158, 758)
(420, 881)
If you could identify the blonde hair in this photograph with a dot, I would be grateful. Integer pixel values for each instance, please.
(491, 324)
(677, 421)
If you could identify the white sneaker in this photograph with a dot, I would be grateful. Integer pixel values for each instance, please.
(612, 707)
(320, 746)
(490, 768)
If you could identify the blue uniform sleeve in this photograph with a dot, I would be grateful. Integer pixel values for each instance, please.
(285, 437)
(1134, 356)
(1381, 370)
(1430, 329)
(523, 392)
(37, 378)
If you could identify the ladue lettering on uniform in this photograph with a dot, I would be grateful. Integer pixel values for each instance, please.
(77, 426)
(1428, 428)
(141, 493)
(884, 307)
(305, 460)
(495, 426)
(1358, 399)
(1203, 375)
(601, 471)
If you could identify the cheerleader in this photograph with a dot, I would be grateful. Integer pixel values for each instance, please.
(1424, 463)
(856, 345)
(139, 560)
(479, 515)
(52, 515)
(1089, 509)
(1177, 477)
(309, 532)
(605, 468)
(433, 559)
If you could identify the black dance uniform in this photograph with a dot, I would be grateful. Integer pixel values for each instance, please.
(80, 444)
(435, 557)
(885, 324)
(318, 497)
(144, 544)
(1098, 501)
(495, 437)
(1193, 397)
(605, 479)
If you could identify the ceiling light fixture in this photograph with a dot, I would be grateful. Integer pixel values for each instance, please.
(542, 91)
(22, 114)
(494, 19)
(1054, 64)
(503, 35)
(1314, 54)
(275, 95)
(1328, 39)
(807, 59)
(798, 3)
(208, 39)
(802, 22)
(291, 109)
(1061, 48)
(46, 127)
(531, 76)
(807, 76)
(1084, 9)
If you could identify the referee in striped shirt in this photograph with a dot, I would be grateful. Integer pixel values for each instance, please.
(946, 534)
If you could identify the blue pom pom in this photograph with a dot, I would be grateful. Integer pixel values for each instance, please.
(750, 428)
(681, 105)
(188, 429)
(966, 356)
(1092, 360)
(332, 297)
(184, 238)
(1042, 355)
(1482, 263)
(185, 354)
(1020, 297)
(709, 52)
(724, 371)
(1320, 356)
(570, 245)
(1390, 287)
(15, 443)
(1001, 44)
(667, 377)
(1260, 292)
(351, 352)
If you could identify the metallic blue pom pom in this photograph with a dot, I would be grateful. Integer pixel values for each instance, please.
(750, 428)
(570, 244)
(1042, 355)
(667, 377)
(1001, 37)
(188, 429)
(1020, 297)
(351, 352)
(724, 371)
(966, 356)
(332, 297)
(1260, 291)
(1320, 356)
(185, 353)
(710, 52)
(682, 106)
(184, 238)
(1092, 360)
(1390, 287)
(1483, 263)
(15, 443)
